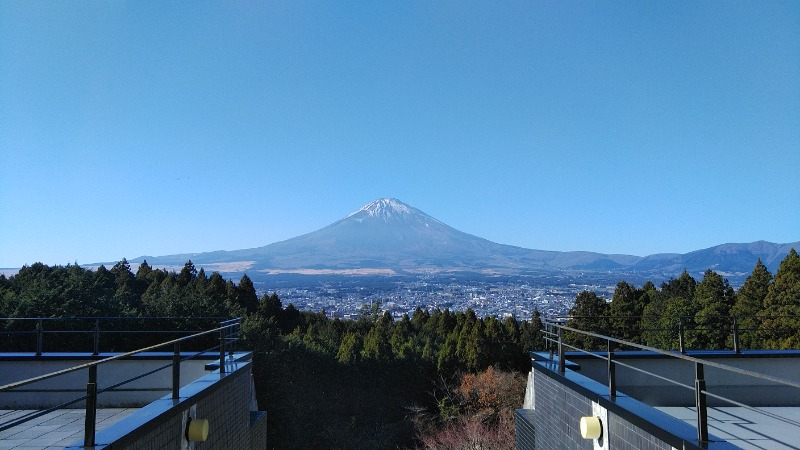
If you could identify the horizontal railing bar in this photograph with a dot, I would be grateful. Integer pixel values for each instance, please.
(779, 316)
(138, 377)
(605, 358)
(29, 391)
(687, 358)
(111, 318)
(109, 359)
(142, 332)
(701, 393)
(661, 377)
(114, 386)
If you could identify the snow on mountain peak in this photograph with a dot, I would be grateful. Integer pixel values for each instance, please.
(391, 210)
(384, 208)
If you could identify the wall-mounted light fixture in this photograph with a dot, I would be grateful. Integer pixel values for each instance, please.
(197, 430)
(591, 427)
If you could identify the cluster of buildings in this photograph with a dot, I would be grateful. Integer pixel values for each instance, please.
(486, 298)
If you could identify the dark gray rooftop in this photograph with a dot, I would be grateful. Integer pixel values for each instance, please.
(54, 430)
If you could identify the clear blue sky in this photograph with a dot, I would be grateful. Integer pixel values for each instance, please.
(132, 128)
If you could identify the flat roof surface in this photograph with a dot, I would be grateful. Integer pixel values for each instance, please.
(746, 428)
(54, 430)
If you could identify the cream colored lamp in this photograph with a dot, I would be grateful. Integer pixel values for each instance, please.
(197, 430)
(591, 427)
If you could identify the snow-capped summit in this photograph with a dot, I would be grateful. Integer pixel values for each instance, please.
(389, 235)
(390, 210)
(384, 208)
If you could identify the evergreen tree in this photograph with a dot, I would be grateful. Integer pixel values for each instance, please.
(476, 354)
(101, 301)
(144, 275)
(401, 339)
(270, 306)
(589, 313)
(126, 298)
(714, 297)
(187, 274)
(246, 295)
(420, 318)
(216, 290)
(465, 344)
(652, 331)
(678, 311)
(377, 343)
(626, 311)
(668, 310)
(447, 361)
(350, 349)
(511, 329)
(750, 303)
(531, 336)
(682, 287)
(493, 338)
(782, 305)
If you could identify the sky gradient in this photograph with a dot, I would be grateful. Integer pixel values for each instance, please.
(154, 128)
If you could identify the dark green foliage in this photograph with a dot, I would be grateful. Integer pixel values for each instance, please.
(186, 274)
(359, 378)
(782, 305)
(749, 303)
(626, 310)
(589, 313)
(246, 295)
(714, 299)
(531, 337)
(682, 287)
(667, 310)
(72, 291)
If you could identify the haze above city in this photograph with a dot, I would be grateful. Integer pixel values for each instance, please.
(151, 128)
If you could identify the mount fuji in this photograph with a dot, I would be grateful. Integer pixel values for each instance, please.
(390, 237)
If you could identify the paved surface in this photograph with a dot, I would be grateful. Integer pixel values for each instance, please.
(745, 428)
(54, 430)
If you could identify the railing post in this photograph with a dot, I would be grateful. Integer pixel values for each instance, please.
(39, 337)
(176, 370)
(612, 375)
(561, 366)
(700, 403)
(96, 337)
(222, 344)
(681, 338)
(736, 348)
(91, 408)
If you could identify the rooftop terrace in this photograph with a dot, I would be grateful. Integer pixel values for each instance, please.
(652, 398)
(144, 398)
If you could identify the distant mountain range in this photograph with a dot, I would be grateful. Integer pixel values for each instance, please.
(389, 237)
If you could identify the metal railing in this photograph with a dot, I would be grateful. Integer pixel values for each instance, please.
(93, 333)
(683, 326)
(554, 335)
(228, 332)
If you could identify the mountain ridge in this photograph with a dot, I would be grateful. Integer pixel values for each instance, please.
(389, 234)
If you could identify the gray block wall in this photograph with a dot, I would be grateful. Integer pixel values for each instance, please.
(552, 421)
(223, 399)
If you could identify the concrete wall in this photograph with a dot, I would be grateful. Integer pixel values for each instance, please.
(224, 399)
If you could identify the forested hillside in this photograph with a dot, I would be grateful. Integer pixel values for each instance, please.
(765, 311)
(428, 379)
(327, 383)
